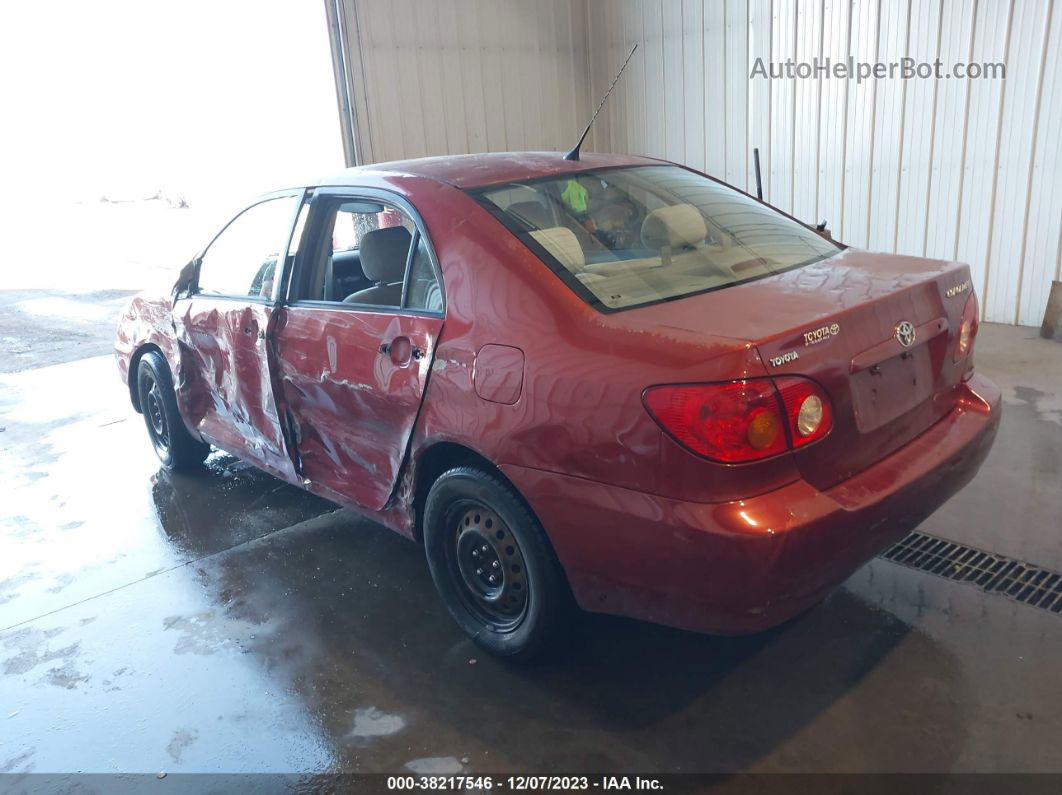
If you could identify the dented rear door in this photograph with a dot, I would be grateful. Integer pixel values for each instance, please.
(353, 381)
(352, 374)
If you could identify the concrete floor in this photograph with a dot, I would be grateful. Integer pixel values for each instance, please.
(226, 622)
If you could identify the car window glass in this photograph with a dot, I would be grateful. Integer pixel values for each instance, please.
(507, 197)
(365, 259)
(631, 236)
(242, 260)
(424, 291)
(300, 227)
(353, 220)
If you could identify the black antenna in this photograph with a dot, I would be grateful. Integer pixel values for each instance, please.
(759, 183)
(574, 154)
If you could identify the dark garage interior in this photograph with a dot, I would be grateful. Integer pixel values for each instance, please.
(223, 629)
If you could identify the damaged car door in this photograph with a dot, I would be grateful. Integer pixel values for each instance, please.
(355, 341)
(223, 322)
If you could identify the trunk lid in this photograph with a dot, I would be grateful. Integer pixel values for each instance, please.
(838, 322)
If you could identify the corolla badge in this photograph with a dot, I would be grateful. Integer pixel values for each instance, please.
(905, 333)
(962, 287)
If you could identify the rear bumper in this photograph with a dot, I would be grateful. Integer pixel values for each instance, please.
(747, 565)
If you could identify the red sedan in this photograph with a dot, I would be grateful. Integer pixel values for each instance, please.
(613, 382)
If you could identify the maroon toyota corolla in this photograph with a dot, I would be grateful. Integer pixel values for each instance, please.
(611, 381)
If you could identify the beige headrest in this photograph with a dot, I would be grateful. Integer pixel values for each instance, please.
(562, 244)
(678, 225)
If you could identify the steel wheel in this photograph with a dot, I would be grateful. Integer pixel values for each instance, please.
(493, 564)
(155, 412)
(174, 445)
(490, 565)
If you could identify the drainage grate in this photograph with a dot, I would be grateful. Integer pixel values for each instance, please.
(992, 573)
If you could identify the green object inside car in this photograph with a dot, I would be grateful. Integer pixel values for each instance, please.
(575, 196)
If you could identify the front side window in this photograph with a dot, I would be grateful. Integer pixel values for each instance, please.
(627, 237)
(242, 260)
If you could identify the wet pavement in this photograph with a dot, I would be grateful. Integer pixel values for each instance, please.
(225, 622)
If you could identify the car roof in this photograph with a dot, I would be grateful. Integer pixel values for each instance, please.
(473, 171)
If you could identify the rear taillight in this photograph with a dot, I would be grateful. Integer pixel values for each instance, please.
(741, 421)
(967, 328)
(806, 408)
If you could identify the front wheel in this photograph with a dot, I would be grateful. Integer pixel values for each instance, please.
(493, 565)
(174, 445)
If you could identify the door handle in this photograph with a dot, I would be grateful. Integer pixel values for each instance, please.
(400, 350)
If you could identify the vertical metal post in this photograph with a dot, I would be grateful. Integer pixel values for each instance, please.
(756, 162)
(338, 42)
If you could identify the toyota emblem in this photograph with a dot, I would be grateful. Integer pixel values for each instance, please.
(905, 333)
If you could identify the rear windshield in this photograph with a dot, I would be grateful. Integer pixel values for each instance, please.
(626, 237)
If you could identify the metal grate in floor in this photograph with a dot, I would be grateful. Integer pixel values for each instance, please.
(1031, 585)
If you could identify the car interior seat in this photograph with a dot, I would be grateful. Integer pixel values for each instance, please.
(533, 213)
(680, 226)
(383, 261)
(343, 275)
(561, 242)
(539, 216)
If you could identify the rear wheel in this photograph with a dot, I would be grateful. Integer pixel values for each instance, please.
(492, 564)
(174, 445)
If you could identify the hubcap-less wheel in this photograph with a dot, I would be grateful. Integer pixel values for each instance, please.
(175, 446)
(491, 567)
(156, 413)
(492, 563)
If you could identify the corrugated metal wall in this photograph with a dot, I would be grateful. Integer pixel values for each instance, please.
(456, 76)
(954, 169)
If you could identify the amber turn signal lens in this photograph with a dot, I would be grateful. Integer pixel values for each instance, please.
(810, 415)
(763, 430)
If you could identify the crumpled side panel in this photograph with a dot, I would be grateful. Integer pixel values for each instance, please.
(145, 320)
(225, 384)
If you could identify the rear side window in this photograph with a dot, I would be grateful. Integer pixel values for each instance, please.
(370, 254)
(628, 237)
(242, 260)
(423, 291)
(365, 260)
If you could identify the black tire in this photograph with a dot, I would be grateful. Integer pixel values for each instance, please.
(176, 448)
(474, 524)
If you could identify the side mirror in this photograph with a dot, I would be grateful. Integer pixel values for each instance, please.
(182, 288)
(824, 232)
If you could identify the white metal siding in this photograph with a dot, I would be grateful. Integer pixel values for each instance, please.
(457, 76)
(952, 169)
